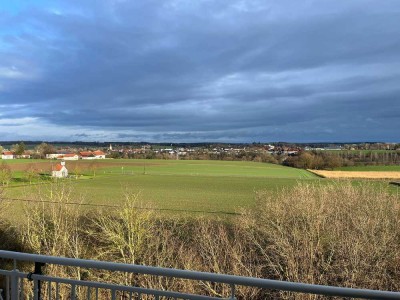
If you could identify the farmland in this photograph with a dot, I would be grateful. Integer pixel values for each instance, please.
(195, 186)
(395, 168)
(288, 211)
(176, 186)
(358, 174)
(366, 172)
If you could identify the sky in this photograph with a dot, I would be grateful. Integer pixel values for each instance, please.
(200, 71)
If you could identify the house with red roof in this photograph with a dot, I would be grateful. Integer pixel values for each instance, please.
(99, 154)
(86, 155)
(7, 155)
(59, 170)
(92, 155)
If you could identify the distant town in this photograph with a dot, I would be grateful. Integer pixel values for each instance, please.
(115, 150)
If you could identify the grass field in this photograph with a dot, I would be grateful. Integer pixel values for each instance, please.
(196, 186)
(203, 168)
(214, 187)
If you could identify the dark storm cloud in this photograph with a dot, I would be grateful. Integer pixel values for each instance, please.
(206, 70)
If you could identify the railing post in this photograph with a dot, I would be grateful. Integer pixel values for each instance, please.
(73, 292)
(36, 283)
(232, 292)
(14, 282)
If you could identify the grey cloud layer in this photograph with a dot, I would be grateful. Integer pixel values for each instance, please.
(207, 70)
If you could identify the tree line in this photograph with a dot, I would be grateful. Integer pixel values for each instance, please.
(330, 160)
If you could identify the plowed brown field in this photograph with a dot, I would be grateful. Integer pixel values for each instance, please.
(357, 174)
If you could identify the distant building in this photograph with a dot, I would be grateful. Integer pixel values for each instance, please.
(99, 154)
(69, 157)
(92, 155)
(54, 155)
(26, 154)
(59, 170)
(7, 155)
(86, 155)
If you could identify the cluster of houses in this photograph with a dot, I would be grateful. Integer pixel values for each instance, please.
(12, 155)
(59, 170)
(76, 156)
(62, 156)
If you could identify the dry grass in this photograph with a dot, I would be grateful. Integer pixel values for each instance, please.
(357, 174)
(336, 234)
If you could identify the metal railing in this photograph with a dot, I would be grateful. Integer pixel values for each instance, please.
(35, 285)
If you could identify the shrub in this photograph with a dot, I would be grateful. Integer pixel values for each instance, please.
(336, 234)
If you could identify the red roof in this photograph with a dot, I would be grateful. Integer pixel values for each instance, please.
(98, 152)
(57, 167)
(69, 155)
(86, 153)
(8, 153)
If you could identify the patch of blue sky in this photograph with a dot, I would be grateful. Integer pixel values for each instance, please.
(16, 6)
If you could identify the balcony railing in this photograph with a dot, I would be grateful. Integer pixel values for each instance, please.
(21, 285)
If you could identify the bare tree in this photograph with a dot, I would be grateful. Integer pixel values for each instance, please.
(93, 166)
(5, 174)
(44, 149)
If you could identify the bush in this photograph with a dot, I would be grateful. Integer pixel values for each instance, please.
(335, 234)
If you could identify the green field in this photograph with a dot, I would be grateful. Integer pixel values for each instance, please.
(194, 186)
(205, 168)
(185, 186)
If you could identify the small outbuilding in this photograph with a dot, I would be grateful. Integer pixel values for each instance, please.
(99, 154)
(70, 156)
(59, 170)
(7, 155)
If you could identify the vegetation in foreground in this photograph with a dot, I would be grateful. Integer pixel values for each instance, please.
(337, 234)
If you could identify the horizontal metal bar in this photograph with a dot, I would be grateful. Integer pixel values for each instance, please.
(117, 287)
(205, 276)
(102, 285)
(15, 273)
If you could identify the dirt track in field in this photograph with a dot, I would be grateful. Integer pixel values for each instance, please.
(357, 174)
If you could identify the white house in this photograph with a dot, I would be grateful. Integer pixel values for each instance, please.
(92, 155)
(99, 154)
(7, 155)
(26, 154)
(59, 170)
(69, 157)
(87, 155)
(54, 155)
